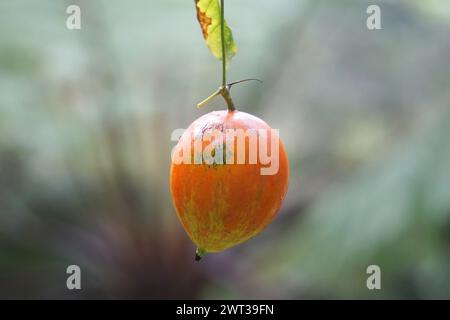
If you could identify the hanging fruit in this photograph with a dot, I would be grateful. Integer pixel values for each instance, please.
(229, 171)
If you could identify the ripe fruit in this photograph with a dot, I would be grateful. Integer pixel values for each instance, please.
(229, 195)
(222, 205)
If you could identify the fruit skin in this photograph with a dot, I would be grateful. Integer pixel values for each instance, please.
(223, 205)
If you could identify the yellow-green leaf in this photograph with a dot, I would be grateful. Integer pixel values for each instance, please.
(208, 14)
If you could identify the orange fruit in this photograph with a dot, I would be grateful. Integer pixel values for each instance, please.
(221, 205)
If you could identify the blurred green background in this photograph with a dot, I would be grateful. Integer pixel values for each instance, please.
(85, 124)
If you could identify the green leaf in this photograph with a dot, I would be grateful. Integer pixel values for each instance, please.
(208, 15)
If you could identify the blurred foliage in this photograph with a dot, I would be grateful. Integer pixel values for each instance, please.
(85, 124)
(394, 213)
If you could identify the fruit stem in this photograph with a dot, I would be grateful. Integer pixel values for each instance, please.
(199, 254)
(222, 33)
(224, 89)
(225, 92)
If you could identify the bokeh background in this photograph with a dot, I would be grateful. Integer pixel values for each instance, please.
(85, 124)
